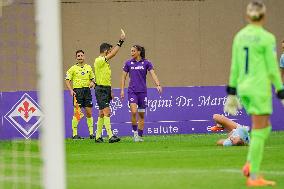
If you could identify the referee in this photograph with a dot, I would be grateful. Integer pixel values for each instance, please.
(103, 88)
(81, 77)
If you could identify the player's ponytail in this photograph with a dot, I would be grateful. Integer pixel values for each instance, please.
(141, 50)
(256, 10)
(142, 53)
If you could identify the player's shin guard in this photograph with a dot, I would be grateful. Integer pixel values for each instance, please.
(100, 124)
(90, 123)
(255, 154)
(108, 126)
(74, 126)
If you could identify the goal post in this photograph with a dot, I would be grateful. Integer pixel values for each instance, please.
(50, 87)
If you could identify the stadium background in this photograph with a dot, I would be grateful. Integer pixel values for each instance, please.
(189, 42)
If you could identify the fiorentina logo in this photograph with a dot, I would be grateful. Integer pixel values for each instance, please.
(25, 116)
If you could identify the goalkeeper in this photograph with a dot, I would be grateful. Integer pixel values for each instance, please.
(238, 135)
(254, 69)
(81, 76)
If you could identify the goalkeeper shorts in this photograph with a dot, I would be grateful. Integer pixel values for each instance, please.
(257, 105)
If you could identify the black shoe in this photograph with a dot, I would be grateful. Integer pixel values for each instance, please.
(77, 137)
(92, 136)
(114, 139)
(99, 140)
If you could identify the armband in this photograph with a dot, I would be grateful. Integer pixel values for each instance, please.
(120, 42)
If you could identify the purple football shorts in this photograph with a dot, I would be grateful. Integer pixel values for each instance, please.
(138, 98)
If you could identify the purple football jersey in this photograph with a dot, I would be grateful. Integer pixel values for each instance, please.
(137, 74)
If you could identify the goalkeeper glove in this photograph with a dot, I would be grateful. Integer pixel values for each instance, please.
(232, 105)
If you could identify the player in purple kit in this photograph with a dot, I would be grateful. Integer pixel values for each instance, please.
(137, 68)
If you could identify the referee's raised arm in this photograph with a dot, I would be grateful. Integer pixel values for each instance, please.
(116, 48)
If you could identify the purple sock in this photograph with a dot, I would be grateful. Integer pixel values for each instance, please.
(134, 127)
(140, 132)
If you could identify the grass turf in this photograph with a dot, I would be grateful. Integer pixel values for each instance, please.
(176, 161)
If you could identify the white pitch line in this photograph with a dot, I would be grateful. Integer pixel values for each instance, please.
(166, 172)
(149, 152)
(139, 172)
(168, 151)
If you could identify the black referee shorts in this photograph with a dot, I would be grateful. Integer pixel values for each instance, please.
(84, 97)
(103, 96)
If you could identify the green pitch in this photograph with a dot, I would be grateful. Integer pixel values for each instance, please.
(161, 162)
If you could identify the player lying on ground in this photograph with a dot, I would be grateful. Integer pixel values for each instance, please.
(237, 134)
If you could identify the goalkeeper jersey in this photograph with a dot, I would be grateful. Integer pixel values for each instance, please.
(80, 76)
(254, 62)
